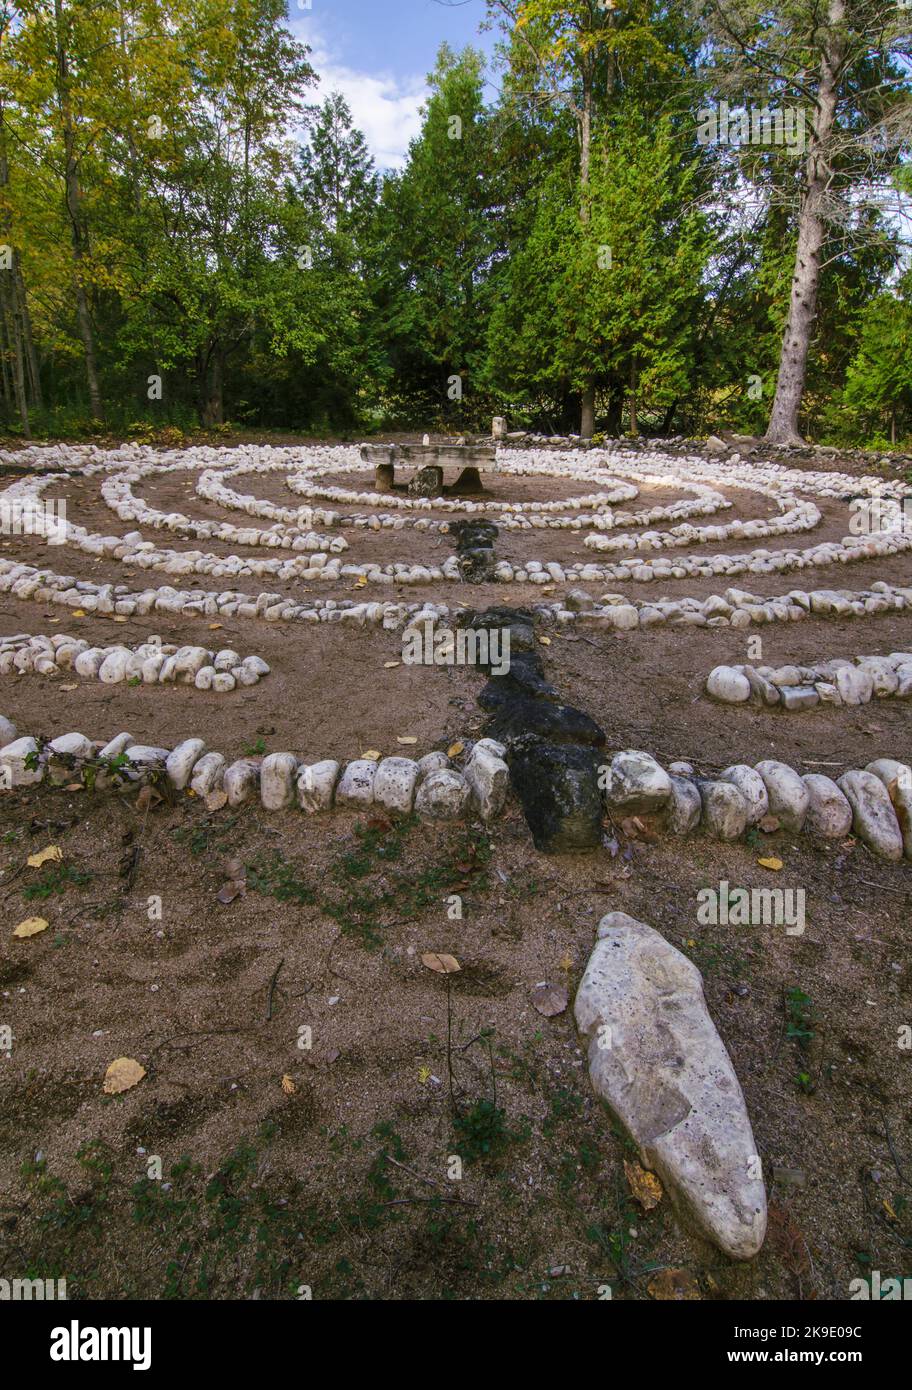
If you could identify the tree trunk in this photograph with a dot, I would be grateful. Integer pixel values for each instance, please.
(77, 231)
(587, 404)
(587, 412)
(634, 427)
(28, 342)
(796, 340)
(211, 373)
(14, 338)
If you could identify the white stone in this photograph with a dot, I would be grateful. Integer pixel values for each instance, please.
(658, 1062)
(239, 781)
(829, 814)
(682, 813)
(7, 731)
(724, 810)
(144, 756)
(277, 773)
(207, 774)
(394, 784)
(751, 786)
(636, 784)
(356, 785)
(726, 684)
(181, 761)
(873, 818)
(788, 795)
(489, 779)
(443, 795)
(897, 778)
(13, 769)
(317, 784)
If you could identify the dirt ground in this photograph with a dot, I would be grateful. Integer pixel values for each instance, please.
(327, 1160)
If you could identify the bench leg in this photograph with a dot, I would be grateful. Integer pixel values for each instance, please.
(384, 477)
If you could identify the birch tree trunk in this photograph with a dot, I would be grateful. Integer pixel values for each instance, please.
(796, 340)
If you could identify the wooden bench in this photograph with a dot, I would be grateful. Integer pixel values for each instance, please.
(429, 462)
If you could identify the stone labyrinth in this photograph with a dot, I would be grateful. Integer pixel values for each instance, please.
(293, 553)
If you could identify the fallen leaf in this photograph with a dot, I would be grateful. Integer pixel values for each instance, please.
(645, 1186)
(406, 738)
(372, 755)
(147, 797)
(216, 800)
(78, 613)
(677, 1285)
(443, 964)
(73, 787)
(288, 1085)
(214, 627)
(75, 686)
(768, 824)
(51, 852)
(771, 863)
(123, 1073)
(119, 618)
(545, 641)
(234, 888)
(424, 1075)
(566, 961)
(388, 665)
(30, 927)
(549, 999)
(455, 749)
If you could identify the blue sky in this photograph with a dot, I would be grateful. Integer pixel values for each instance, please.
(378, 56)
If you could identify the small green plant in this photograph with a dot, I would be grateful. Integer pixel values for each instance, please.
(57, 879)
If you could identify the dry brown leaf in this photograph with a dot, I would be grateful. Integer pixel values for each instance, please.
(675, 1285)
(74, 686)
(372, 755)
(443, 964)
(78, 613)
(388, 665)
(148, 797)
(30, 927)
(768, 824)
(214, 627)
(234, 888)
(771, 863)
(288, 1085)
(406, 738)
(50, 852)
(216, 800)
(545, 641)
(455, 749)
(644, 1186)
(119, 618)
(121, 1075)
(549, 999)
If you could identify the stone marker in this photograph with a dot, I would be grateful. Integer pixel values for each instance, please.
(656, 1059)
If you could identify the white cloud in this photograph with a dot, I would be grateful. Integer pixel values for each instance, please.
(383, 106)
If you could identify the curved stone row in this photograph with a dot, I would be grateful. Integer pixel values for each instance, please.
(796, 516)
(736, 608)
(432, 786)
(891, 539)
(117, 493)
(512, 515)
(834, 682)
(152, 662)
(875, 804)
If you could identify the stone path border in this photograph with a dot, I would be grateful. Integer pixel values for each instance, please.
(151, 662)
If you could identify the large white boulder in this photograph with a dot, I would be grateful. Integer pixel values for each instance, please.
(658, 1062)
